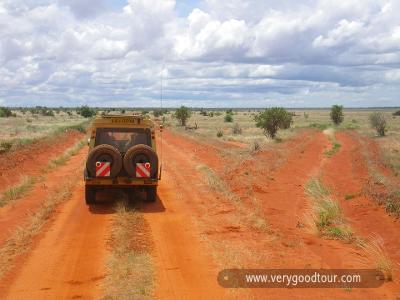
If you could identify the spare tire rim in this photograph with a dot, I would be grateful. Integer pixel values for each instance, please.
(140, 158)
(104, 157)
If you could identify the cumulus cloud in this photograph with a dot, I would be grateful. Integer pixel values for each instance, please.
(223, 53)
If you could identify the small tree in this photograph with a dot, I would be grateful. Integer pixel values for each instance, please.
(5, 112)
(182, 114)
(157, 113)
(378, 122)
(273, 119)
(86, 112)
(228, 118)
(337, 114)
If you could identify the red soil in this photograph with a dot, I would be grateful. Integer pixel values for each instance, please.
(30, 159)
(196, 228)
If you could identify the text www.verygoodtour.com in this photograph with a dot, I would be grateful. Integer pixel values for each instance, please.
(300, 278)
(295, 279)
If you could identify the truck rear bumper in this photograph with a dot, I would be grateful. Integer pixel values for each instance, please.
(120, 182)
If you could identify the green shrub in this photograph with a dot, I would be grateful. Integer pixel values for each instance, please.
(5, 112)
(157, 113)
(273, 119)
(397, 113)
(203, 112)
(86, 112)
(337, 114)
(182, 114)
(220, 133)
(228, 118)
(47, 112)
(378, 122)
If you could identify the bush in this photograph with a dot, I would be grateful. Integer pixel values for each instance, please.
(47, 112)
(220, 133)
(256, 146)
(86, 112)
(5, 112)
(273, 119)
(337, 114)
(236, 129)
(157, 113)
(378, 122)
(203, 112)
(397, 113)
(228, 118)
(182, 114)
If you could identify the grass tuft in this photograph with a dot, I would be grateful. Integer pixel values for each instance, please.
(16, 192)
(21, 240)
(62, 159)
(375, 249)
(130, 267)
(327, 214)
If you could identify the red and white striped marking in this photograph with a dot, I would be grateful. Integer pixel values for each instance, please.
(103, 169)
(143, 170)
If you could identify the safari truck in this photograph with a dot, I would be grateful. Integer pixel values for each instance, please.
(122, 155)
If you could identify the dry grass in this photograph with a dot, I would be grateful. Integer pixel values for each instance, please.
(27, 182)
(62, 159)
(217, 184)
(354, 119)
(130, 267)
(326, 214)
(16, 192)
(375, 249)
(330, 133)
(21, 240)
(21, 131)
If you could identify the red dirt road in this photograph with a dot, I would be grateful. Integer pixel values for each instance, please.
(32, 158)
(199, 227)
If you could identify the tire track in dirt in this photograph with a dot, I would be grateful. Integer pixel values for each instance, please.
(184, 267)
(285, 203)
(68, 258)
(364, 216)
(15, 213)
(30, 159)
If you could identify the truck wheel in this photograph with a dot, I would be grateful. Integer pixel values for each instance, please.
(90, 195)
(104, 153)
(140, 154)
(151, 193)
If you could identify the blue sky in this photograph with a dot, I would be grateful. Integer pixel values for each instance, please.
(237, 53)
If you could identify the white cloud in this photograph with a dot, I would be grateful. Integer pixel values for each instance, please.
(71, 52)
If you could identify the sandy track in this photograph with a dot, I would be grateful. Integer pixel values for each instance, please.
(184, 267)
(364, 215)
(282, 196)
(17, 212)
(69, 260)
(30, 159)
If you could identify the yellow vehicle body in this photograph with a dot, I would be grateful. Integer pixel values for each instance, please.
(127, 124)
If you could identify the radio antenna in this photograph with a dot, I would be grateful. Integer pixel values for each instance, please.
(161, 114)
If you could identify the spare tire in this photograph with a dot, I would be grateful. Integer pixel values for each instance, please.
(104, 153)
(141, 154)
